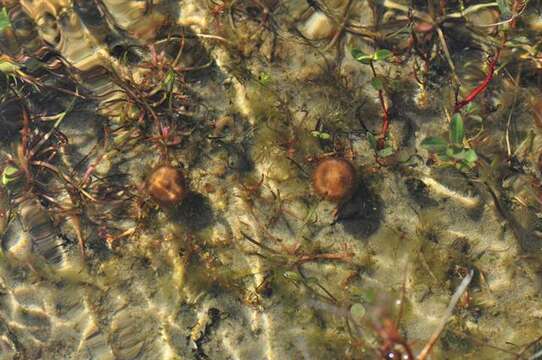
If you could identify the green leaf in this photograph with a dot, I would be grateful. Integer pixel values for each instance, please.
(356, 53)
(4, 19)
(8, 67)
(170, 78)
(382, 54)
(464, 165)
(457, 132)
(385, 152)
(264, 78)
(470, 156)
(434, 144)
(458, 154)
(360, 56)
(321, 135)
(377, 83)
(8, 175)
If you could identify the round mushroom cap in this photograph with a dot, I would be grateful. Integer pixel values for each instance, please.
(334, 179)
(167, 185)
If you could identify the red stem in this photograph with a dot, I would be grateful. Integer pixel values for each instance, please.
(480, 88)
(385, 118)
(25, 131)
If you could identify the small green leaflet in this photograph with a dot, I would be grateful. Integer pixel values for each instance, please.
(382, 54)
(4, 19)
(470, 156)
(321, 135)
(435, 144)
(8, 68)
(379, 55)
(385, 152)
(264, 78)
(457, 131)
(361, 56)
(8, 175)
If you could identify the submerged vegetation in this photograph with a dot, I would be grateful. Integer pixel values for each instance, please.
(453, 151)
(276, 179)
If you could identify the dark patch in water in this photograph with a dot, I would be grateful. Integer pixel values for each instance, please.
(10, 120)
(89, 13)
(195, 212)
(362, 214)
(475, 214)
(419, 192)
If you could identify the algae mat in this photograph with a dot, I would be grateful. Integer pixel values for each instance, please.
(267, 179)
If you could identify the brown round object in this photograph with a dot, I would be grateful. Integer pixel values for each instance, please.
(334, 179)
(167, 185)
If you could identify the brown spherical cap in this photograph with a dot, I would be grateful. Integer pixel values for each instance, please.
(167, 185)
(334, 179)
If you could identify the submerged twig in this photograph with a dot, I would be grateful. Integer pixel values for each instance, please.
(453, 301)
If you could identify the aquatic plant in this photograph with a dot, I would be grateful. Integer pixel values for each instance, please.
(378, 84)
(4, 19)
(22, 178)
(452, 152)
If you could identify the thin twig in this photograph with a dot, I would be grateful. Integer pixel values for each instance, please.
(509, 121)
(455, 298)
(447, 53)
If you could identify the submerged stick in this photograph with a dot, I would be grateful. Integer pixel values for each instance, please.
(455, 298)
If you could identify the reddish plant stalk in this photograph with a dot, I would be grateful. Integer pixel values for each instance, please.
(91, 168)
(385, 116)
(22, 148)
(390, 338)
(480, 88)
(25, 131)
(385, 119)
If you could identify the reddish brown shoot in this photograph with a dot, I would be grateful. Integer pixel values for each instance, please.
(385, 117)
(91, 168)
(480, 88)
(392, 340)
(299, 256)
(345, 256)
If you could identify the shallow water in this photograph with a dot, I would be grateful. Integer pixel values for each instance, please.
(249, 260)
